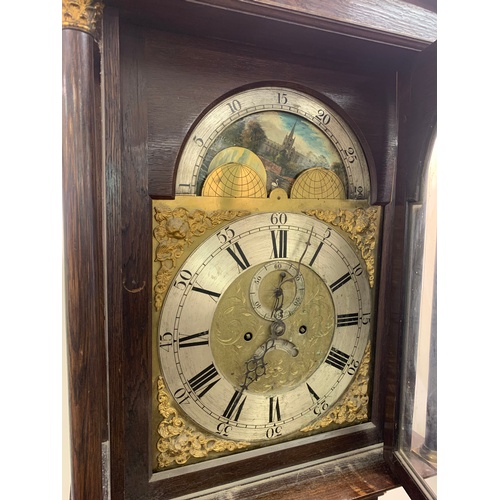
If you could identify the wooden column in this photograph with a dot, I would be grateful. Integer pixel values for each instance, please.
(82, 241)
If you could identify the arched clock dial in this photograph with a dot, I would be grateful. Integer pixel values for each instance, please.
(264, 326)
(287, 131)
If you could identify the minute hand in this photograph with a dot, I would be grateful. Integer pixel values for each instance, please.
(308, 244)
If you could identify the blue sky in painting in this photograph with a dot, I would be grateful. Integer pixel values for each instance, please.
(307, 135)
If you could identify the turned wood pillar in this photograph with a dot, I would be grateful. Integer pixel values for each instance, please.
(82, 246)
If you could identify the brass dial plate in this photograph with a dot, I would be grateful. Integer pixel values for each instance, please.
(213, 285)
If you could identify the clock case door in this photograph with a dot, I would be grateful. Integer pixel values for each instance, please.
(160, 68)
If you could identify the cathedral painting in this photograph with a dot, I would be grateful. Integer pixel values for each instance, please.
(286, 145)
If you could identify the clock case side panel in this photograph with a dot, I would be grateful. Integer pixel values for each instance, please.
(419, 122)
(128, 259)
(127, 216)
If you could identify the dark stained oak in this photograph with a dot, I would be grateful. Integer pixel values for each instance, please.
(83, 261)
(176, 65)
(361, 475)
(163, 63)
(319, 27)
(112, 164)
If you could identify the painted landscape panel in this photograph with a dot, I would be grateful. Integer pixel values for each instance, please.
(286, 143)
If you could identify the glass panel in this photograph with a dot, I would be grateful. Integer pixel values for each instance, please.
(417, 446)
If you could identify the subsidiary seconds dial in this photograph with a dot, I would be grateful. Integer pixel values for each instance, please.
(227, 364)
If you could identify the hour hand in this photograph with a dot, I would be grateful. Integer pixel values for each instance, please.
(256, 367)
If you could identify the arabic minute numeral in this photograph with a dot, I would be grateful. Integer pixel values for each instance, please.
(181, 396)
(166, 340)
(358, 270)
(353, 365)
(224, 429)
(183, 279)
(225, 235)
(198, 141)
(278, 218)
(349, 155)
(323, 116)
(274, 431)
(282, 99)
(234, 105)
(320, 405)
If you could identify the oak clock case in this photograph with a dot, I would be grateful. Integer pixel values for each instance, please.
(263, 280)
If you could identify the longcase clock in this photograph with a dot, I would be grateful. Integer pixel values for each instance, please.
(230, 217)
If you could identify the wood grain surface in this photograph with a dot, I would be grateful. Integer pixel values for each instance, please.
(163, 64)
(83, 264)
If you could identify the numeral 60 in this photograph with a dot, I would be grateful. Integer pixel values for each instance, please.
(278, 218)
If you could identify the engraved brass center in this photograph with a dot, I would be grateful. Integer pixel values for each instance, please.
(238, 331)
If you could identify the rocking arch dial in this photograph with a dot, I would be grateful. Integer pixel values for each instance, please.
(330, 137)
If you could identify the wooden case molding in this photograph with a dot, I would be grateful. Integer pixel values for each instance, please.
(83, 246)
(132, 74)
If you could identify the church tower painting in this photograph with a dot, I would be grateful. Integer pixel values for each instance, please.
(287, 149)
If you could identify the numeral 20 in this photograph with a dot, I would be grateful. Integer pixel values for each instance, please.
(184, 277)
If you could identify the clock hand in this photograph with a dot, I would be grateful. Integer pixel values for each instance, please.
(308, 243)
(278, 292)
(255, 366)
(278, 299)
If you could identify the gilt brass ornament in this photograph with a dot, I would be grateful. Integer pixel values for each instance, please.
(84, 15)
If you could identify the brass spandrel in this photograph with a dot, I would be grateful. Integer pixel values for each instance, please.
(178, 442)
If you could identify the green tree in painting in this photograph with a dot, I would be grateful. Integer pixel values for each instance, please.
(290, 169)
(253, 136)
(231, 136)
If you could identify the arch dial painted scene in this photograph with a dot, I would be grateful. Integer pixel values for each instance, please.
(264, 274)
(288, 130)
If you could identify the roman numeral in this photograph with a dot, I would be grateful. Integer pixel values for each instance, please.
(320, 246)
(240, 259)
(194, 340)
(233, 410)
(347, 319)
(314, 396)
(206, 292)
(204, 381)
(341, 281)
(337, 358)
(274, 409)
(279, 243)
